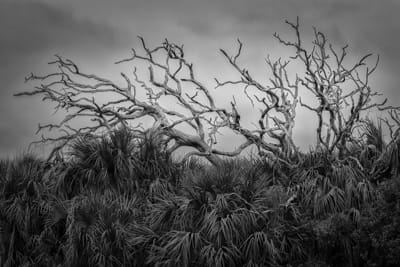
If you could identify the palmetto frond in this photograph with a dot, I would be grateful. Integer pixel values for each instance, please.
(104, 162)
(22, 209)
(329, 202)
(216, 180)
(221, 256)
(160, 188)
(365, 191)
(177, 248)
(259, 247)
(230, 220)
(354, 215)
(374, 136)
(166, 213)
(152, 160)
(389, 162)
(101, 230)
(142, 236)
(270, 197)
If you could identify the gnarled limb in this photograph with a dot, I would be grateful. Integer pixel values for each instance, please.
(106, 104)
(343, 92)
(194, 120)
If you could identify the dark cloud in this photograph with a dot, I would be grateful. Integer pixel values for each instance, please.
(31, 32)
(28, 28)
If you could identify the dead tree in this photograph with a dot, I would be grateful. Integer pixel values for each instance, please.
(392, 122)
(342, 93)
(170, 75)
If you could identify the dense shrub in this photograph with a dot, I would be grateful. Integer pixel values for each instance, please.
(122, 201)
(379, 232)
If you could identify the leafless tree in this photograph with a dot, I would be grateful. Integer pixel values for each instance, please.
(343, 93)
(172, 76)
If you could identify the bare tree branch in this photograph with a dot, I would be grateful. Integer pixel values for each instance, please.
(342, 94)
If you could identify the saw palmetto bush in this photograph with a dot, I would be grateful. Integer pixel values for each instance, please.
(99, 163)
(119, 200)
(101, 231)
(120, 161)
(97, 207)
(23, 208)
(112, 194)
(378, 233)
(232, 216)
(151, 160)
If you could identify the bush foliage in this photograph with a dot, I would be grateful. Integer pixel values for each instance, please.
(121, 201)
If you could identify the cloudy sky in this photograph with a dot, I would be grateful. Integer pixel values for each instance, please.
(96, 33)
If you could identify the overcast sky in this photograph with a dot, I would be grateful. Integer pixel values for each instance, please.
(96, 33)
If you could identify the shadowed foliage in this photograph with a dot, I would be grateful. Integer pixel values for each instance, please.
(123, 201)
(112, 194)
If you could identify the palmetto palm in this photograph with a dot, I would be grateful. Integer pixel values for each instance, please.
(23, 207)
(102, 231)
(120, 201)
(388, 163)
(103, 164)
(330, 186)
(332, 192)
(152, 160)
